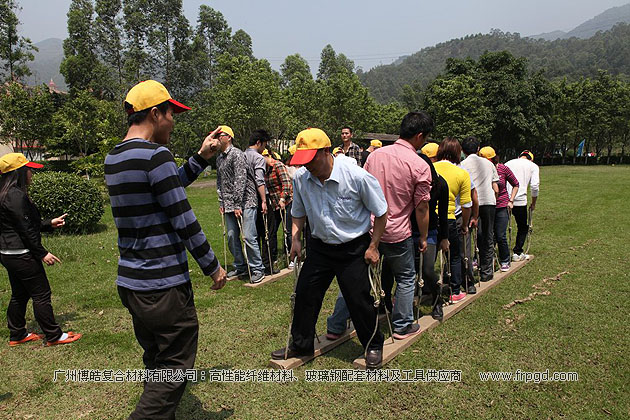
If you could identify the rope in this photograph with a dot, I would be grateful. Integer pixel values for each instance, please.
(530, 228)
(240, 228)
(466, 259)
(297, 267)
(269, 258)
(419, 285)
(284, 232)
(509, 210)
(374, 275)
(440, 279)
(224, 239)
(448, 274)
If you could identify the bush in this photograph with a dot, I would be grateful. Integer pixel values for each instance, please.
(56, 193)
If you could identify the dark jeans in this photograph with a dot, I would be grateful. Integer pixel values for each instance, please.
(323, 262)
(520, 216)
(28, 281)
(465, 250)
(454, 238)
(165, 324)
(272, 234)
(485, 239)
(501, 220)
(428, 272)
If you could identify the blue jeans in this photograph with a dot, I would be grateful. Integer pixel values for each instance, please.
(251, 241)
(398, 265)
(338, 321)
(501, 220)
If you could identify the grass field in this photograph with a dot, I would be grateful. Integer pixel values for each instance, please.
(580, 326)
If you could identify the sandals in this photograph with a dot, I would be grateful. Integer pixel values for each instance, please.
(29, 337)
(72, 336)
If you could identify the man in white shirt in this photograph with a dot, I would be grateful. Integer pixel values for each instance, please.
(527, 173)
(485, 177)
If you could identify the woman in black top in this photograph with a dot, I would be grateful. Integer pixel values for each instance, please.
(437, 237)
(22, 254)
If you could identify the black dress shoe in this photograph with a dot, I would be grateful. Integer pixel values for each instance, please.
(487, 278)
(271, 272)
(374, 358)
(437, 312)
(279, 354)
(471, 290)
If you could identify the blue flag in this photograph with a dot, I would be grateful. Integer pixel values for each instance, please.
(580, 148)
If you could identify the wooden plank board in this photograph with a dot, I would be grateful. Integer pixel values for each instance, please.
(322, 346)
(270, 279)
(391, 350)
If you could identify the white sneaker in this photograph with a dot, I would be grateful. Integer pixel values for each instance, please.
(524, 257)
(291, 265)
(516, 257)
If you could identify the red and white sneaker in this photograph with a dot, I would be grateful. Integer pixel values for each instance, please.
(458, 297)
(29, 337)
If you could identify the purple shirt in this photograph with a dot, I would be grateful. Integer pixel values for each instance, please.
(505, 175)
(406, 181)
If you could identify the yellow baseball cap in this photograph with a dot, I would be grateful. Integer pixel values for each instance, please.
(337, 150)
(376, 143)
(487, 152)
(308, 142)
(148, 94)
(528, 154)
(430, 149)
(227, 130)
(12, 161)
(265, 152)
(292, 149)
(277, 156)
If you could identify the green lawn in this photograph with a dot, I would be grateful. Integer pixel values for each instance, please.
(581, 226)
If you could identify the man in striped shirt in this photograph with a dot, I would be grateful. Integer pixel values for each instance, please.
(156, 226)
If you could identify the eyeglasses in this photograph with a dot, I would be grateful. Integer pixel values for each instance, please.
(223, 134)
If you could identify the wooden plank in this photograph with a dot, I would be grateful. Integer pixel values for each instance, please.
(322, 346)
(270, 279)
(391, 350)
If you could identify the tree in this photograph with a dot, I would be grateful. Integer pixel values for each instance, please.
(457, 107)
(108, 34)
(212, 38)
(241, 45)
(138, 63)
(25, 116)
(83, 123)
(80, 66)
(15, 50)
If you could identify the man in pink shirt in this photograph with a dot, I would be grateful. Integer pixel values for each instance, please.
(406, 181)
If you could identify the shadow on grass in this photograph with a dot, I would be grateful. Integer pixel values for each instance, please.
(62, 319)
(6, 396)
(191, 408)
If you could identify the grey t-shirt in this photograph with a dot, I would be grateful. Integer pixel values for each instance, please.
(483, 173)
(256, 167)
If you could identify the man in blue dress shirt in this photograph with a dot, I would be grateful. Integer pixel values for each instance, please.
(339, 199)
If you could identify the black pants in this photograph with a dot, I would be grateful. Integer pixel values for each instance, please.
(346, 262)
(465, 251)
(520, 216)
(166, 326)
(286, 215)
(272, 233)
(485, 239)
(28, 281)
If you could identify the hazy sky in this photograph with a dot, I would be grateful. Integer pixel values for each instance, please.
(369, 32)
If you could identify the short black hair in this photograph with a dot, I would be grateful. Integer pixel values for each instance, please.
(140, 116)
(347, 127)
(470, 145)
(259, 136)
(416, 122)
